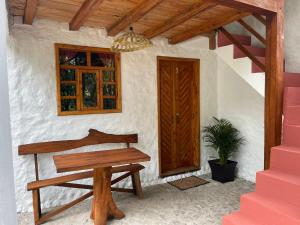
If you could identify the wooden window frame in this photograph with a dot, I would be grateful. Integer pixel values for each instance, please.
(78, 70)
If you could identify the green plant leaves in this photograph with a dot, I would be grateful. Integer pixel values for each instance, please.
(223, 137)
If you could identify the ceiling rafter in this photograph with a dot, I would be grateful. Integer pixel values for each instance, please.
(181, 17)
(205, 28)
(30, 11)
(133, 16)
(84, 11)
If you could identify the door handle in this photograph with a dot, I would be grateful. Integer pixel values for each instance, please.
(177, 114)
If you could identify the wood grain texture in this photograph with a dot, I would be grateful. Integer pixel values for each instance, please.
(83, 13)
(111, 12)
(30, 11)
(274, 80)
(181, 17)
(205, 28)
(94, 137)
(90, 160)
(242, 48)
(133, 16)
(179, 130)
(257, 6)
(104, 205)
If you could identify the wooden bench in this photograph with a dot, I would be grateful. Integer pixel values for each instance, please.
(94, 138)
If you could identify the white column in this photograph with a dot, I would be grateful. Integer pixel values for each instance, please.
(7, 193)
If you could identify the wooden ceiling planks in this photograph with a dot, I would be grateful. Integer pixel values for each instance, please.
(208, 26)
(134, 15)
(186, 15)
(181, 17)
(84, 12)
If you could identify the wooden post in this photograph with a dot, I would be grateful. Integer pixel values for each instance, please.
(103, 204)
(274, 80)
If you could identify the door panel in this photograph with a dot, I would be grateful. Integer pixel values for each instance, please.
(184, 113)
(168, 155)
(178, 100)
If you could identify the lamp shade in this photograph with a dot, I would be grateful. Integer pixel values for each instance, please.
(130, 41)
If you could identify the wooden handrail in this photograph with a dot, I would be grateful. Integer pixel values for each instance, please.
(260, 19)
(242, 48)
(252, 31)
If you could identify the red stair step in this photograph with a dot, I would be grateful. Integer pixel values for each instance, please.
(291, 96)
(256, 51)
(269, 211)
(237, 218)
(279, 185)
(292, 115)
(291, 135)
(292, 79)
(285, 159)
(224, 41)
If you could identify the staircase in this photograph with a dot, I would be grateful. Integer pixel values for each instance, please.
(276, 200)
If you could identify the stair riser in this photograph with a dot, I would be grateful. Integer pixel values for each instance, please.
(291, 96)
(224, 41)
(292, 115)
(278, 189)
(253, 50)
(291, 135)
(263, 214)
(291, 80)
(285, 161)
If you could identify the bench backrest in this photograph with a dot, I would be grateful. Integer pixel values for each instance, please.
(94, 137)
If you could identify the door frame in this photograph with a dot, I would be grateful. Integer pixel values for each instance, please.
(196, 109)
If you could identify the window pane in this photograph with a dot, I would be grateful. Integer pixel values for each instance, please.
(69, 57)
(109, 76)
(102, 59)
(109, 90)
(68, 105)
(68, 90)
(109, 103)
(89, 89)
(67, 75)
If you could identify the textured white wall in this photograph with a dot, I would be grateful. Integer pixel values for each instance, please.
(33, 100)
(7, 195)
(244, 107)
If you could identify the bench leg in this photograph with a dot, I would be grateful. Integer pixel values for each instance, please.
(136, 184)
(36, 206)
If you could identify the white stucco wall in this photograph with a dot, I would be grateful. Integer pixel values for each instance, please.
(7, 195)
(241, 104)
(32, 87)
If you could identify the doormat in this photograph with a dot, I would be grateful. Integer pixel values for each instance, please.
(188, 182)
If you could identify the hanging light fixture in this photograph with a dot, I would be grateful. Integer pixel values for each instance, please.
(130, 41)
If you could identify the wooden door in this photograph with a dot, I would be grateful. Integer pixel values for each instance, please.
(179, 123)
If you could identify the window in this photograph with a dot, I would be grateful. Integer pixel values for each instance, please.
(88, 80)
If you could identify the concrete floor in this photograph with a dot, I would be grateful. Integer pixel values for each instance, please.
(163, 205)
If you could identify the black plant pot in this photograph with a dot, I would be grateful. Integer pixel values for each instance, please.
(222, 173)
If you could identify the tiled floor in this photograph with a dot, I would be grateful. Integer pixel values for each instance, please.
(164, 205)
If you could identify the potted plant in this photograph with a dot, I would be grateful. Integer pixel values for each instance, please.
(223, 137)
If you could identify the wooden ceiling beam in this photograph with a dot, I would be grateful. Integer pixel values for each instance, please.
(181, 17)
(84, 11)
(211, 25)
(30, 11)
(255, 6)
(135, 14)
